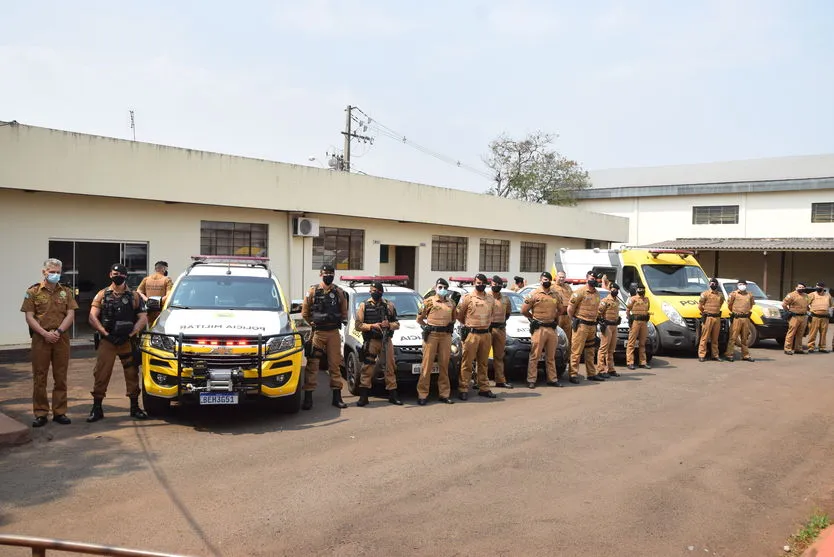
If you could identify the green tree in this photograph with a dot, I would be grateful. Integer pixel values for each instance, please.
(532, 170)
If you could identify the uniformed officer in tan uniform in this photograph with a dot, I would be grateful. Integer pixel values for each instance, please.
(325, 308)
(475, 316)
(118, 314)
(796, 303)
(50, 311)
(740, 303)
(518, 284)
(709, 305)
(609, 318)
(638, 315)
(820, 303)
(437, 317)
(543, 307)
(501, 309)
(565, 293)
(583, 309)
(374, 318)
(154, 289)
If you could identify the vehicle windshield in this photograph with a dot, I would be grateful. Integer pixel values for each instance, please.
(752, 288)
(516, 301)
(675, 280)
(407, 304)
(226, 292)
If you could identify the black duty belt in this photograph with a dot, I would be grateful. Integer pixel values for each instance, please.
(704, 314)
(439, 329)
(326, 326)
(479, 331)
(498, 326)
(609, 323)
(740, 315)
(551, 325)
(820, 315)
(591, 323)
(640, 317)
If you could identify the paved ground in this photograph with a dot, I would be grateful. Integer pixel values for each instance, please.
(720, 457)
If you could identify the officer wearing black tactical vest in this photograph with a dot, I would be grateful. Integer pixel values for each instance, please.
(118, 315)
(376, 319)
(325, 308)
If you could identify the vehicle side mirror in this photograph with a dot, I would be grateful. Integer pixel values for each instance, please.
(295, 307)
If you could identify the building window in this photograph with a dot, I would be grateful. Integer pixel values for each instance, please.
(822, 212)
(233, 238)
(495, 255)
(715, 214)
(344, 248)
(592, 244)
(448, 253)
(533, 255)
(383, 253)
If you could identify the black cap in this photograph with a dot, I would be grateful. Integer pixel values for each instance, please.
(378, 286)
(119, 268)
(591, 272)
(498, 279)
(802, 283)
(162, 263)
(742, 281)
(614, 286)
(713, 280)
(639, 286)
(327, 268)
(518, 279)
(443, 282)
(820, 284)
(481, 277)
(547, 275)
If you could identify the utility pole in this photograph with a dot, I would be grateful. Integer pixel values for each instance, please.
(133, 125)
(349, 134)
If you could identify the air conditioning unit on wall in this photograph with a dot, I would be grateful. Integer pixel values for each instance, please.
(302, 226)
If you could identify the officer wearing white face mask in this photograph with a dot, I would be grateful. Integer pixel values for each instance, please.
(437, 317)
(740, 303)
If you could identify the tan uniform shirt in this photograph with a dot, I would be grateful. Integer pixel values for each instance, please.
(475, 310)
(819, 303)
(585, 304)
(740, 302)
(638, 305)
(797, 303)
(500, 307)
(155, 285)
(543, 304)
(711, 301)
(50, 305)
(360, 324)
(306, 306)
(437, 312)
(609, 309)
(565, 292)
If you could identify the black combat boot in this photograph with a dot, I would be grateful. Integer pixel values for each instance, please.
(394, 397)
(337, 399)
(97, 413)
(363, 397)
(308, 400)
(135, 412)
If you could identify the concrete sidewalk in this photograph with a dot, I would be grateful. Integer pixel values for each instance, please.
(12, 432)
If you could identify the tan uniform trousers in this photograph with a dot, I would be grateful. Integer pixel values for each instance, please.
(709, 333)
(327, 343)
(638, 332)
(739, 335)
(796, 330)
(819, 327)
(565, 324)
(374, 350)
(499, 346)
(475, 349)
(584, 339)
(605, 355)
(44, 354)
(439, 347)
(107, 352)
(544, 341)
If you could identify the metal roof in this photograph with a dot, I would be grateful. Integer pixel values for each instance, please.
(748, 244)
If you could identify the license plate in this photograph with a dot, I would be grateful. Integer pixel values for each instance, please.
(218, 398)
(416, 368)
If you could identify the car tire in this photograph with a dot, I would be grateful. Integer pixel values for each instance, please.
(290, 404)
(352, 372)
(754, 337)
(561, 367)
(155, 406)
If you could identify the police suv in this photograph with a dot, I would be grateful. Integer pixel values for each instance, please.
(224, 337)
(407, 340)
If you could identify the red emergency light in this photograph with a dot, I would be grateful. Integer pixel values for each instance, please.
(217, 342)
(231, 258)
(370, 279)
(575, 281)
(683, 252)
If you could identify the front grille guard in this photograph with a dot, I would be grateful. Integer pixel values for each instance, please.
(262, 341)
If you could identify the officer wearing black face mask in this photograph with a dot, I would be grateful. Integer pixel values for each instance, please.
(376, 319)
(501, 310)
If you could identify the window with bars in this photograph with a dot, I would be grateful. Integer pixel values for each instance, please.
(533, 255)
(715, 214)
(495, 255)
(822, 212)
(344, 248)
(591, 244)
(448, 253)
(233, 238)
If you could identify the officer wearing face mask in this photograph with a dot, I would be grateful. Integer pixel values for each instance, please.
(437, 318)
(609, 318)
(376, 319)
(709, 305)
(118, 314)
(50, 311)
(740, 303)
(475, 316)
(325, 308)
(501, 310)
(543, 307)
(820, 303)
(796, 304)
(638, 315)
(565, 292)
(518, 284)
(583, 310)
(154, 289)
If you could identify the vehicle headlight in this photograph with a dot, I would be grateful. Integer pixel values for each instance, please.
(652, 330)
(672, 314)
(162, 379)
(280, 344)
(771, 312)
(161, 342)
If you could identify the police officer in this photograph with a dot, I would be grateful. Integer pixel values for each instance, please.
(117, 314)
(740, 303)
(437, 317)
(325, 308)
(637, 313)
(609, 318)
(518, 284)
(583, 309)
(375, 319)
(820, 303)
(475, 316)
(543, 307)
(709, 305)
(154, 289)
(796, 304)
(49, 308)
(501, 310)
(565, 292)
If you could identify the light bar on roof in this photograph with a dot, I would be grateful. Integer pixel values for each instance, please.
(369, 279)
(230, 258)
